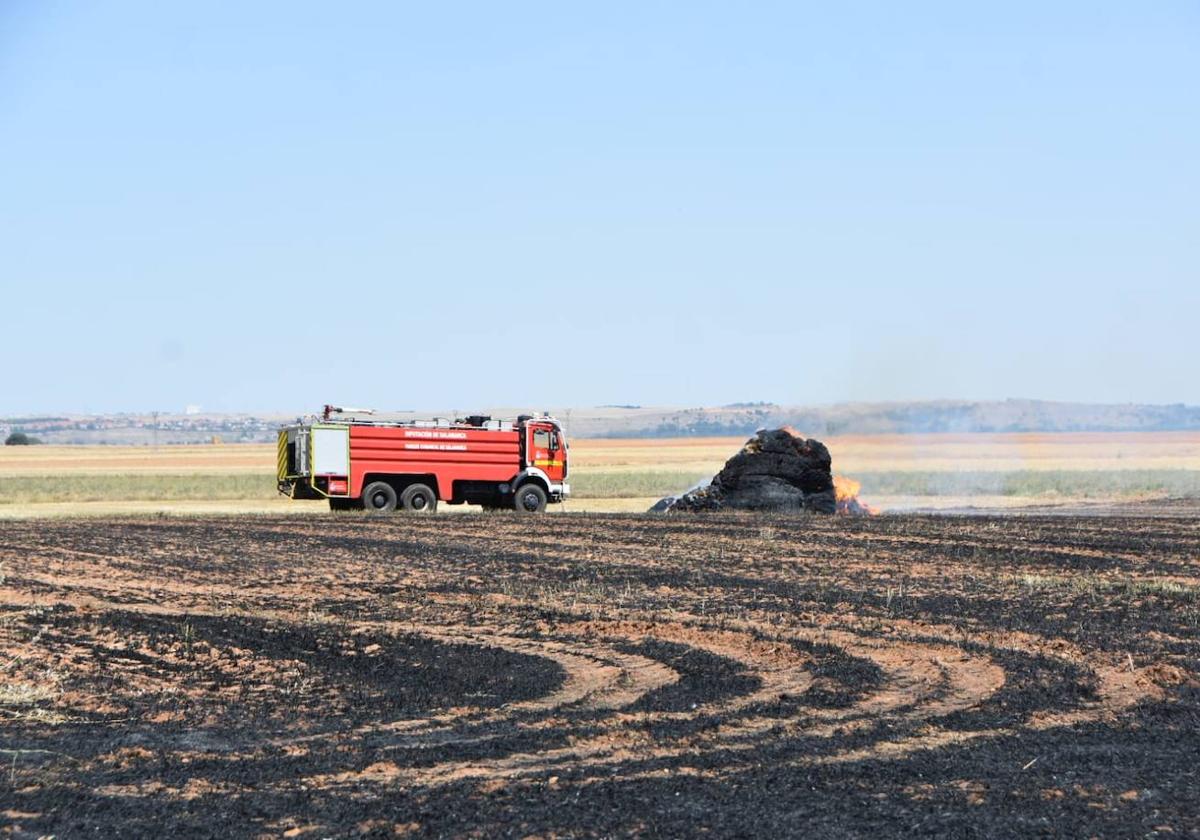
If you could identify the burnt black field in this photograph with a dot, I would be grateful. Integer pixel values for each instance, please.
(589, 676)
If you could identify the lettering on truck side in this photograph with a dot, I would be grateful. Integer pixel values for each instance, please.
(451, 447)
(435, 435)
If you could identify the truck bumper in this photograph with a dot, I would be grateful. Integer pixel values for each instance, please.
(298, 488)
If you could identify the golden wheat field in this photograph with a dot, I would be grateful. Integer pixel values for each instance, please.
(899, 472)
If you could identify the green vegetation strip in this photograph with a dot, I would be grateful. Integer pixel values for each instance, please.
(630, 485)
(621, 485)
(1074, 483)
(99, 488)
(95, 488)
(1097, 484)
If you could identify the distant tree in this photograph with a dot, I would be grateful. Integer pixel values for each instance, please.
(20, 439)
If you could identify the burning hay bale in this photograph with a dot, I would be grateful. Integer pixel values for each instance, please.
(776, 470)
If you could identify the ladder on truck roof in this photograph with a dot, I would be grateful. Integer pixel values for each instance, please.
(374, 418)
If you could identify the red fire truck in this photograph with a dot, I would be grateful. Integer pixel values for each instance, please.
(357, 459)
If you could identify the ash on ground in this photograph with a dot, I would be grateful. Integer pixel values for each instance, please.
(777, 470)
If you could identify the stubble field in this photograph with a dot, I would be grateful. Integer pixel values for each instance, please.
(593, 675)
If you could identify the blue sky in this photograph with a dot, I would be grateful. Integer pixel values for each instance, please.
(267, 206)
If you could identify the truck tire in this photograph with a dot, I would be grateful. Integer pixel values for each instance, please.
(529, 498)
(419, 498)
(379, 497)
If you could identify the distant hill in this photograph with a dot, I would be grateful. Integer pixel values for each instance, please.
(941, 416)
(618, 421)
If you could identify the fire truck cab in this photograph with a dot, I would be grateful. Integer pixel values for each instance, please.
(358, 460)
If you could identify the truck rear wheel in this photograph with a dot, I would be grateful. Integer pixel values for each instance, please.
(379, 497)
(418, 498)
(529, 498)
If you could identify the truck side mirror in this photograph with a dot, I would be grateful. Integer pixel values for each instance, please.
(553, 442)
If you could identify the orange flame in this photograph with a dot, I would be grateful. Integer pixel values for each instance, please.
(846, 491)
(845, 488)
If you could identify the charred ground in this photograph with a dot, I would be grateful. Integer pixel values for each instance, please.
(600, 675)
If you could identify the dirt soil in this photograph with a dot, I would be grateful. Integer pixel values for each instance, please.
(496, 675)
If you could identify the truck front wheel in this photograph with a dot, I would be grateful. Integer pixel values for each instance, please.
(379, 497)
(530, 498)
(418, 498)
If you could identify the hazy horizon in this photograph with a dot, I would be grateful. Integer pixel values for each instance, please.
(252, 208)
(606, 408)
